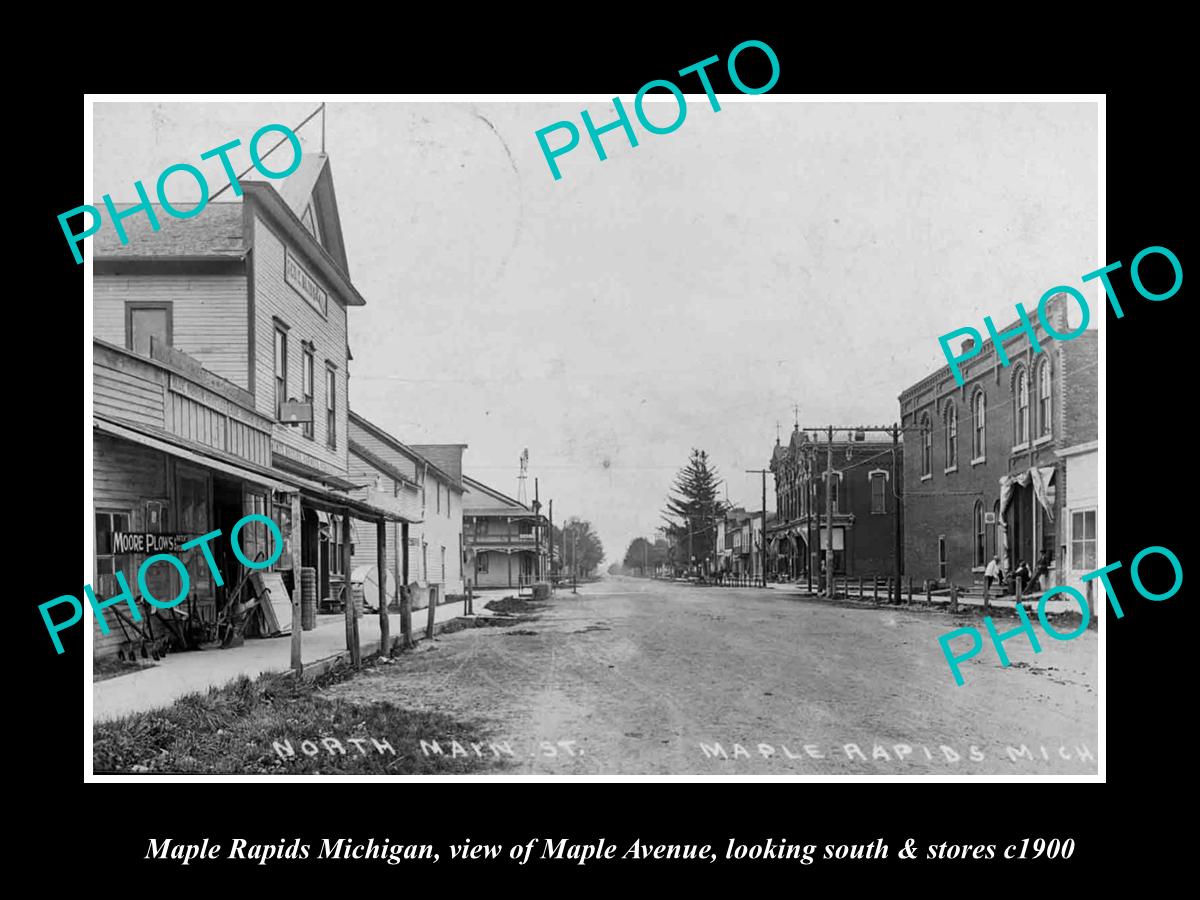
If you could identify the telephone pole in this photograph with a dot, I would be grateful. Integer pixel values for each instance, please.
(762, 550)
(898, 495)
(855, 431)
(829, 515)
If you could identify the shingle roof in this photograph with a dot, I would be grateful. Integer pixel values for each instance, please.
(216, 232)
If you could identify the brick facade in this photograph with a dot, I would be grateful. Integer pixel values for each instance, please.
(864, 514)
(950, 492)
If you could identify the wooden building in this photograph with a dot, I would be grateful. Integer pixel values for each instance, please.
(506, 541)
(430, 537)
(221, 367)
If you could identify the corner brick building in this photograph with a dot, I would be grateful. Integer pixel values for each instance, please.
(987, 462)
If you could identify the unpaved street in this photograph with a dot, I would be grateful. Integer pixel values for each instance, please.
(638, 677)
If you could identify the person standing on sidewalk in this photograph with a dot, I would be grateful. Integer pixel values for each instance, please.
(990, 574)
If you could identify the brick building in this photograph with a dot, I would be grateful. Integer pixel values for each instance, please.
(864, 504)
(988, 475)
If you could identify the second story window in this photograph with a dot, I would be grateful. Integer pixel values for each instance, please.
(878, 492)
(978, 433)
(281, 368)
(330, 406)
(307, 386)
(926, 446)
(1045, 403)
(951, 436)
(835, 491)
(1021, 408)
(145, 322)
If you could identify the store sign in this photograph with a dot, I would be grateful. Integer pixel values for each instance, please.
(304, 284)
(145, 542)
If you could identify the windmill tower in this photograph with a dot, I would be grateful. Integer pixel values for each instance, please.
(522, 495)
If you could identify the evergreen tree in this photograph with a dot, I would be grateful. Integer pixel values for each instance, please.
(693, 510)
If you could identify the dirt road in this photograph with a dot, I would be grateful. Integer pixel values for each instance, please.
(634, 677)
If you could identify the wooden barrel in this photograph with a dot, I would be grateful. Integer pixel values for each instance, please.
(308, 598)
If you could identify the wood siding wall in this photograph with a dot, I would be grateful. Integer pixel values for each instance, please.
(209, 316)
(274, 298)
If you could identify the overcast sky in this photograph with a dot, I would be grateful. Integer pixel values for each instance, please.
(683, 293)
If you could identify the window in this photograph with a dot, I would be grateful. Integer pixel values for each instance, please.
(951, 436)
(878, 492)
(336, 545)
(481, 563)
(481, 526)
(306, 378)
(978, 423)
(1021, 403)
(107, 562)
(281, 368)
(942, 557)
(993, 544)
(1045, 404)
(330, 405)
(253, 536)
(926, 446)
(282, 514)
(525, 529)
(144, 321)
(437, 489)
(835, 491)
(1083, 540)
(980, 536)
(443, 578)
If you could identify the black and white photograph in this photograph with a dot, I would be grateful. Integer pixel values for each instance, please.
(691, 436)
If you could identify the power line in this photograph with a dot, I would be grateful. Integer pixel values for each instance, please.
(282, 140)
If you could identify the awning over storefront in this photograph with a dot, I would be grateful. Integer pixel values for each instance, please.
(248, 471)
(1042, 480)
(315, 494)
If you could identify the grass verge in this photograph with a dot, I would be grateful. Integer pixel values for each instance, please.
(233, 730)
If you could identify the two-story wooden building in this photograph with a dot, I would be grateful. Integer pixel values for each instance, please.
(430, 538)
(505, 540)
(221, 367)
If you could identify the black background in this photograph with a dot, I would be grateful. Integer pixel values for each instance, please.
(101, 830)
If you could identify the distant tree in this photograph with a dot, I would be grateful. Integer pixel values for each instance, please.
(692, 510)
(642, 554)
(581, 540)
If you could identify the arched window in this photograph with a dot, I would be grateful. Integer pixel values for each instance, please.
(926, 446)
(993, 544)
(1021, 407)
(951, 419)
(835, 487)
(979, 534)
(1045, 403)
(978, 423)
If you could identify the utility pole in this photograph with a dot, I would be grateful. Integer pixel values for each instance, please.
(762, 549)
(829, 515)
(897, 493)
(894, 430)
(537, 533)
(575, 561)
(810, 502)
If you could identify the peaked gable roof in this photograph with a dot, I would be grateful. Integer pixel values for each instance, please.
(309, 191)
(481, 500)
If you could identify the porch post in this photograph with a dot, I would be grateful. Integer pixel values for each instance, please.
(381, 565)
(297, 580)
(351, 618)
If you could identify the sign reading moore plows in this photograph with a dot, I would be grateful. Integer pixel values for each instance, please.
(146, 542)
